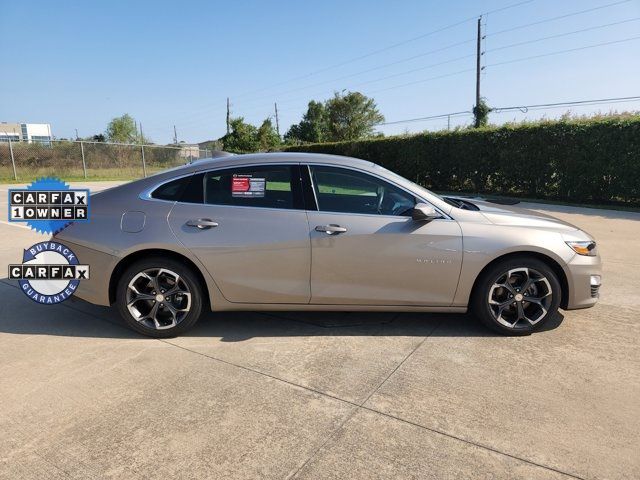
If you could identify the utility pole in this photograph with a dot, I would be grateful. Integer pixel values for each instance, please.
(77, 136)
(478, 70)
(175, 135)
(277, 120)
(144, 163)
(228, 106)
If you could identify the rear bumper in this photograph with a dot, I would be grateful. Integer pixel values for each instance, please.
(584, 275)
(96, 289)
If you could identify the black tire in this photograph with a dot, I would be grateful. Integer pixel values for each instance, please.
(188, 281)
(495, 274)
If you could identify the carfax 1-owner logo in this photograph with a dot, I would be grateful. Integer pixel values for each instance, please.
(48, 205)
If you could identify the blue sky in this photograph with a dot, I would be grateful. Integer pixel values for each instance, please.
(78, 64)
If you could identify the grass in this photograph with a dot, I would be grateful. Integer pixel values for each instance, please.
(77, 175)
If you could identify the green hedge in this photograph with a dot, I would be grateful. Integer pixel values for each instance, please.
(594, 161)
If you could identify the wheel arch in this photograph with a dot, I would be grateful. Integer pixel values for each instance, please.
(133, 257)
(550, 262)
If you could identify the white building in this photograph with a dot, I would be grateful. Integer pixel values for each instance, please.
(25, 132)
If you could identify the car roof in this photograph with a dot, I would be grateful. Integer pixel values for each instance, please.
(278, 157)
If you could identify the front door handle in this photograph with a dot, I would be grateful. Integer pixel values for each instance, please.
(332, 229)
(202, 223)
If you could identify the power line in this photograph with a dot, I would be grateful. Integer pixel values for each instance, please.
(378, 67)
(559, 17)
(390, 47)
(599, 101)
(558, 52)
(465, 42)
(451, 74)
(426, 67)
(588, 29)
(395, 45)
(424, 80)
(432, 117)
(521, 108)
(459, 58)
(379, 79)
(207, 112)
(444, 62)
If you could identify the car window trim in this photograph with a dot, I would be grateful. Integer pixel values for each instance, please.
(309, 191)
(146, 194)
(413, 194)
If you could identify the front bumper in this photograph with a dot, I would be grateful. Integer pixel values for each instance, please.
(584, 275)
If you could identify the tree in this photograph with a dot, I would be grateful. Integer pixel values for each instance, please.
(313, 126)
(98, 138)
(481, 114)
(267, 137)
(351, 116)
(242, 137)
(347, 116)
(124, 129)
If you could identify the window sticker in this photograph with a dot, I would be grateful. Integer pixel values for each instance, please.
(245, 186)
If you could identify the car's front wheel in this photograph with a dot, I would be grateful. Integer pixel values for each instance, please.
(159, 297)
(517, 296)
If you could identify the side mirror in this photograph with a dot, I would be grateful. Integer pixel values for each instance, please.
(424, 213)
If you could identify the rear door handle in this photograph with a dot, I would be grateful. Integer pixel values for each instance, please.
(332, 229)
(202, 223)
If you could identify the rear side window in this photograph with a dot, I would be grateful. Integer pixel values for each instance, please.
(269, 186)
(186, 190)
(194, 191)
(171, 190)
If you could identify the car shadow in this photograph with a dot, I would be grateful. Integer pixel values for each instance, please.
(80, 319)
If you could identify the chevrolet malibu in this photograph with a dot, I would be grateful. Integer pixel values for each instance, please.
(292, 231)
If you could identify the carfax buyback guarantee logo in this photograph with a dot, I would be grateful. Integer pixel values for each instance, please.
(50, 272)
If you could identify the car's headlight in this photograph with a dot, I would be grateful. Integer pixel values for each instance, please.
(587, 248)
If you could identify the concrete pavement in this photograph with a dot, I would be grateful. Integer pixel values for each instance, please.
(325, 395)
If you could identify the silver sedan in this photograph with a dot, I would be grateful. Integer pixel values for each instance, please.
(291, 231)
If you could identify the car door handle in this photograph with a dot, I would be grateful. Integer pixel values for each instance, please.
(202, 223)
(330, 229)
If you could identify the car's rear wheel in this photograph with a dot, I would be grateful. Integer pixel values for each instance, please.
(159, 297)
(517, 296)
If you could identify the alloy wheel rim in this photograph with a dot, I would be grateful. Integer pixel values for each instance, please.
(520, 298)
(158, 298)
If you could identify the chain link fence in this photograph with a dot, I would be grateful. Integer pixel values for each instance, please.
(85, 160)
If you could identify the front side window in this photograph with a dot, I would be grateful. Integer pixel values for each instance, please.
(269, 186)
(348, 191)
